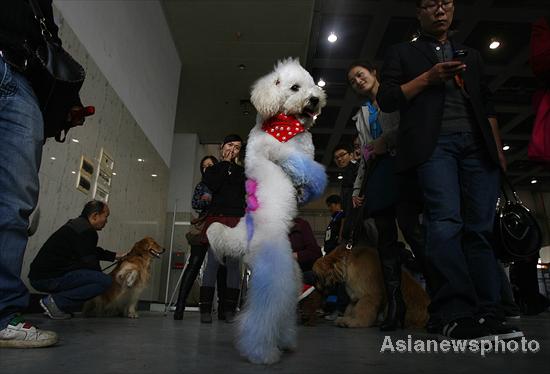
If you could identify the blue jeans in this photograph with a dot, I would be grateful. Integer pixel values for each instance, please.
(21, 132)
(74, 288)
(460, 185)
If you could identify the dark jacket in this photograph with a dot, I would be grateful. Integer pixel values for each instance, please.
(421, 118)
(19, 27)
(72, 247)
(332, 233)
(226, 181)
(349, 173)
(303, 243)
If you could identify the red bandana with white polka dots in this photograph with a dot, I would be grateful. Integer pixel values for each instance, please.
(283, 127)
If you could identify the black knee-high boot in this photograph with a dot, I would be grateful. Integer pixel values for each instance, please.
(391, 270)
(190, 274)
(205, 303)
(221, 280)
(230, 303)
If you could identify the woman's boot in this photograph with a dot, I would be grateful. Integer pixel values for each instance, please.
(230, 305)
(391, 270)
(205, 303)
(188, 279)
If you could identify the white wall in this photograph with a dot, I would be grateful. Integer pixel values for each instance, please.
(131, 44)
(184, 171)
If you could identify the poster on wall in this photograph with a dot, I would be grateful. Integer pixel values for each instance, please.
(103, 177)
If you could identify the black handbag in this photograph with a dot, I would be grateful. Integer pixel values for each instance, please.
(517, 234)
(56, 79)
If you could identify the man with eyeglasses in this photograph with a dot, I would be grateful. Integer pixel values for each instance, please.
(449, 135)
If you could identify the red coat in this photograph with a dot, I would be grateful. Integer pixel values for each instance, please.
(304, 244)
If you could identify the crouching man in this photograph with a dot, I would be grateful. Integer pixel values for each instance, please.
(67, 266)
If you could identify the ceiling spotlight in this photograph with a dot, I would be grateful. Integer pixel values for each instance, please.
(141, 160)
(506, 148)
(154, 175)
(494, 44)
(321, 83)
(242, 67)
(52, 158)
(114, 173)
(340, 176)
(534, 181)
(73, 172)
(414, 38)
(332, 37)
(75, 140)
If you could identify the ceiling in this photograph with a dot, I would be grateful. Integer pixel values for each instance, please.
(215, 37)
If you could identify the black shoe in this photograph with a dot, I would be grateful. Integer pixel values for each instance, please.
(465, 328)
(230, 304)
(206, 317)
(205, 303)
(500, 329)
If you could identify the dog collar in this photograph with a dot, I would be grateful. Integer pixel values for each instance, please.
(283, 127)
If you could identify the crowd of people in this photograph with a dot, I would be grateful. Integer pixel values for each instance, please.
(427, 145)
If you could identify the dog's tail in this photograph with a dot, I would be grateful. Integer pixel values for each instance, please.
(228, 241)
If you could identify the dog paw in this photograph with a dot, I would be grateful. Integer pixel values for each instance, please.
(342, 322)
(133, 315)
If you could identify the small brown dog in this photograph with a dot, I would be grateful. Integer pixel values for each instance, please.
(130, 276)
(360, 270)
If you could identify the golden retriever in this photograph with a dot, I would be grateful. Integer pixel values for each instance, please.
(360, 270)
(130, 276)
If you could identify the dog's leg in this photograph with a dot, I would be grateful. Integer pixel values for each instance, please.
(363, 313)
(132, 313)
(272, 298)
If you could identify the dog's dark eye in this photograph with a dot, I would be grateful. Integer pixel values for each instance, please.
(295, 88)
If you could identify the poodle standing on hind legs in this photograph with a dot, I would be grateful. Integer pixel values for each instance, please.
(281, 173)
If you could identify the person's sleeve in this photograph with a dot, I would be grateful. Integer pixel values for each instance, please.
(390, 129)
(390, 97)
(311, 250)
(215, 176)
(359, 178)
(486, 94)
(50, 22)
(105, 255)
(197, 203)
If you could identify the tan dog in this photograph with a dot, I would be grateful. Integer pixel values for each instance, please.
(130, 276)
(361, 272)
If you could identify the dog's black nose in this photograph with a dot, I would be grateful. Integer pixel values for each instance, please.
(314, 100)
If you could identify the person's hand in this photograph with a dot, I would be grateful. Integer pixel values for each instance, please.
(444, 71)
(206, 197)
(357, 201)
(121, 255)
(378, 147)
(75, 117)
(295, 255)
(229, 154)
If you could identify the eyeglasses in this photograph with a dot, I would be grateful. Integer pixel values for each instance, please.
(433, 6)
(340, 155)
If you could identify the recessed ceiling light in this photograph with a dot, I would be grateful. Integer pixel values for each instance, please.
(506, 148)
(534, 181)
(114, 173)
(140, 160)
(154, 175)
(321, 83)
(414, 38)
(52, 158)
(242, 67)
(332, 37)
(73, 172)
(340, 176)
(75, 140)
(494, 44)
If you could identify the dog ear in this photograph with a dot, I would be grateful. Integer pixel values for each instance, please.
(265, 95)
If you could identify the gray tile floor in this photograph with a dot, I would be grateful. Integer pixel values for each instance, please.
(158, 344)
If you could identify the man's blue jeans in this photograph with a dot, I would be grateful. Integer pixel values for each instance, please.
(21, 134)
(460, 185)
(72, 289)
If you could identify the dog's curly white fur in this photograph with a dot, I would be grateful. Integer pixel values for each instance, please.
(283, 174)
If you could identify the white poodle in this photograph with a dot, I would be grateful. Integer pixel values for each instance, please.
(281, 173)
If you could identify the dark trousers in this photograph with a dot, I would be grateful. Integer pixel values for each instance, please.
(72, 289)
(460, 186)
